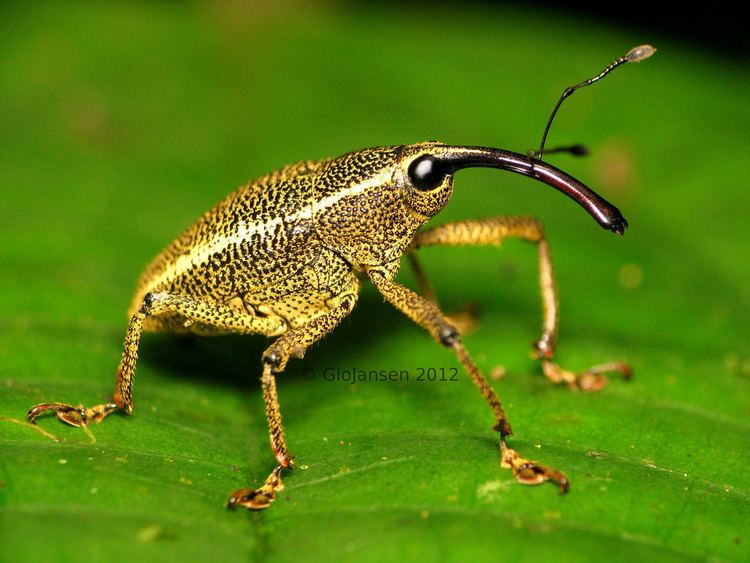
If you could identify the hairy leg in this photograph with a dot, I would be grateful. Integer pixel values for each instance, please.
(154, 304)
(492, 231)
(427, 315)
(292, 343)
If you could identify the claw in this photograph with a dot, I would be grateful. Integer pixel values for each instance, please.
(258, 499)
(251, 499)
(530, 472)
(75, 416)
(588, 381)
(625, 370)
(79, 416)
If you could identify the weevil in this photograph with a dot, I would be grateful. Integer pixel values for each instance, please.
(285, 255)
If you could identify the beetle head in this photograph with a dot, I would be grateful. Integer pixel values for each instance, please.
(428, 170)
(370, 203)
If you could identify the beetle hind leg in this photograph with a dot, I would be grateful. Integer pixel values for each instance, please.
(154, 304)
(82, 416)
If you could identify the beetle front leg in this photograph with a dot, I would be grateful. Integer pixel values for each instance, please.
(492, 231)
(291, 344)
(427, 315)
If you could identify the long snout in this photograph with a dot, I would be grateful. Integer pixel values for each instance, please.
(606, 214)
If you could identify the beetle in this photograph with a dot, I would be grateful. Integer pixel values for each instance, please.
(284, 256)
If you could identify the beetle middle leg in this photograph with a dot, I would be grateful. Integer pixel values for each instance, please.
(427, 315)
(154, 305)
(492, 231)
(292, 343)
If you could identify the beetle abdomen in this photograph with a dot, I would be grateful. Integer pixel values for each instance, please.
(255, 237)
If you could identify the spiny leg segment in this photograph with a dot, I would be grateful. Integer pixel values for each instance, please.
(427, 315)
(492, 231)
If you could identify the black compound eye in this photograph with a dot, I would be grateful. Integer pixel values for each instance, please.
(427, 172)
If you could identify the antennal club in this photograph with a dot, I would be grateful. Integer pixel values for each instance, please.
(635, 55)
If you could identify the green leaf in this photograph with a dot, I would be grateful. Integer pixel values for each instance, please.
(122, 123)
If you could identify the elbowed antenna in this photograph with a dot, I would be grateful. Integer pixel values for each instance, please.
(635, 55)
(606, 214)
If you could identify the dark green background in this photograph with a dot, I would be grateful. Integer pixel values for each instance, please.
(121, 123)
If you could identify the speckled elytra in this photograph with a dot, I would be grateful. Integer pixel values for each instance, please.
(284, 257)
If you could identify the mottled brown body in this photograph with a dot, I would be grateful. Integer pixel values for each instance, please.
(283, 256)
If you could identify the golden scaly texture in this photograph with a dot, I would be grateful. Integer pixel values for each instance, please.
(283, 256)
